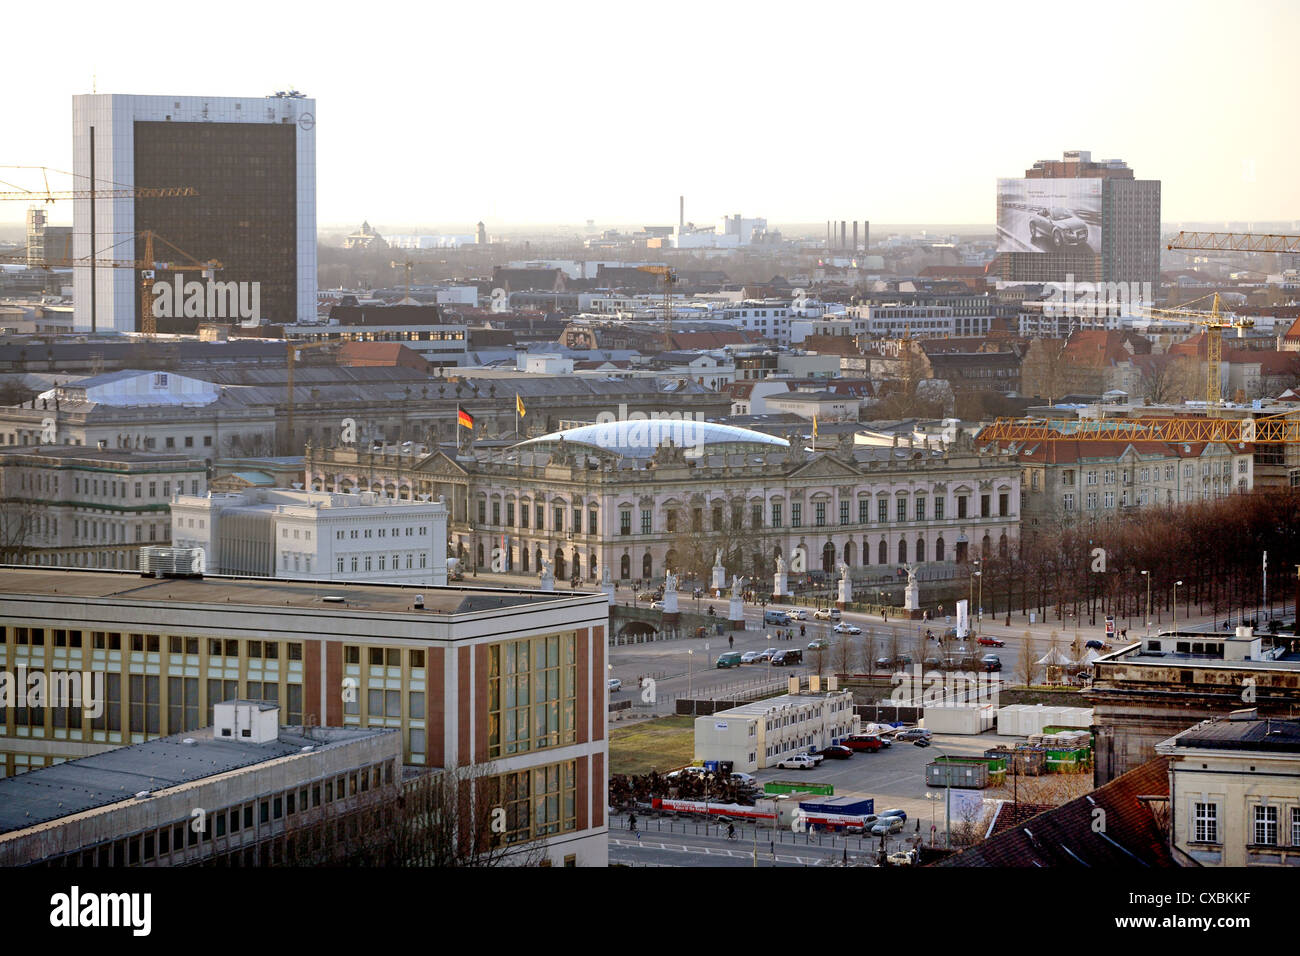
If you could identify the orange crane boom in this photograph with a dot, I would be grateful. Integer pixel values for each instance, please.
(1265, 430)
(111, 191)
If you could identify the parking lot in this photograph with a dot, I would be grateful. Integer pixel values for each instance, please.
(894, 776)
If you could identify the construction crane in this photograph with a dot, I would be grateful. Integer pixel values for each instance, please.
(1214, 322)
(293, 349)
(1235, 242)
(113, 191)
(670, 279)
(1265, 430)
(147, 266)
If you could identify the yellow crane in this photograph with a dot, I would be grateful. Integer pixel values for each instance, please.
(147, 266)
(112, 191)
(1214, 322)
(670, 279)
(1265, 430)
(1235, 242)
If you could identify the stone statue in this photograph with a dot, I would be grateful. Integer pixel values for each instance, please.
(844, 570)
(670, 581)
(546, 568)
(780, 564)
(605, 576)
(737, 582)
(911, 574)
(717, 558)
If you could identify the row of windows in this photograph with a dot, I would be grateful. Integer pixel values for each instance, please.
(196, 832)
(368, 562)
(1264, 824)
(360, 533)
(532, 694)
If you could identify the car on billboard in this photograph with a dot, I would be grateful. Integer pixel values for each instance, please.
(1058, 224)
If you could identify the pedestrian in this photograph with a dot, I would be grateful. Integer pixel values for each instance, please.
(731, 640)
(631, 821)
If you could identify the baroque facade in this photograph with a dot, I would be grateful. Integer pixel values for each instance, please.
(605, 496)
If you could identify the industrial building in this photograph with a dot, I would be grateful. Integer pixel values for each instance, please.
(758, 735)
(443, 666)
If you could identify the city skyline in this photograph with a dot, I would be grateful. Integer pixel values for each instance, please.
(830, 123)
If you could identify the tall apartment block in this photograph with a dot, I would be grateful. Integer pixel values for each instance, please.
(1094, 221)
(252, 162)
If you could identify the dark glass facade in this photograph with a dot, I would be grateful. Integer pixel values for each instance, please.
(244, 214)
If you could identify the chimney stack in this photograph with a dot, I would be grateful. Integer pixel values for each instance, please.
(855, 237)
(681, 215)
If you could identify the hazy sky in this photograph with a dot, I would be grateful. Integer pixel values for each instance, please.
(441, 114)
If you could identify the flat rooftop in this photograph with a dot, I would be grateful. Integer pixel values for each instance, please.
(761, 708)
(1228, 734)
(270, 592)
(39, 796)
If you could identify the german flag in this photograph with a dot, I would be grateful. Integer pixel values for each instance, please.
(464, 419)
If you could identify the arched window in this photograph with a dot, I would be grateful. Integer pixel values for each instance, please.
(986, 547)
(647, 566)
(902, 552)
(920, 549)
(558, 569)
(828, 557)
(1002, 545)
(625, 567)
(938, 549)
(882, 553)
(523, 557)
(849, 553)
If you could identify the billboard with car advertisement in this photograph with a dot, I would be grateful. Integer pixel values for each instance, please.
(1049, 215)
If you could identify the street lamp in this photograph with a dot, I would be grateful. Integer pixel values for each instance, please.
(1177, 585)
(1147, 575)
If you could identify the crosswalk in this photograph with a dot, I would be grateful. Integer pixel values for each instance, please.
(715, 851)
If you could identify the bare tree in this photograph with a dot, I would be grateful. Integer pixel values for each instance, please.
(1027, 666)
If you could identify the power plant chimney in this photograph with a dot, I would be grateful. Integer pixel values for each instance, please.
(855, 236)
(681, 215)
(866, 235)
(844, 233)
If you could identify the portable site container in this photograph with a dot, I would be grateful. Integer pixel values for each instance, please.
(789, 786)
(1068, 761)
(969, 774)
(845, 805)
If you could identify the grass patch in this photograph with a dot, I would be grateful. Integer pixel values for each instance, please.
(661, 745)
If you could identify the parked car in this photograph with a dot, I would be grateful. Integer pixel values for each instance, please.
(862, 742)
(837, 752)
(787, 657)
(844, 627)
(885, 662)
(933, 662)
(656, 605)
(749, 657)
(991, 662)
(914, 733)
(744, 779)
(799, 613)
(887, 825)
(905, 660)
(615, 684)
(991, 642)
(797, 762)
(779, 618)
(900, 814)
(815, 754)
(1058, 224)
(885, 741)
(1098, 645)
(819, 645)
(766, 655)
(729, 659)
(921, 742)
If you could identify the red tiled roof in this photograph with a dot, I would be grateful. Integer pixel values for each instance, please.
(1068, 836)
(1011, 815)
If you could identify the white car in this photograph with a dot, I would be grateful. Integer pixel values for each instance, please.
(887, 825)
(797, 762)
(615, 684)
(656, 605)
(799, 613)
(844, 627)
(826, 614)
(744, 779)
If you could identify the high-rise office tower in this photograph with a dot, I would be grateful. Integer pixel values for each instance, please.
(252, 161)
(1074, 217)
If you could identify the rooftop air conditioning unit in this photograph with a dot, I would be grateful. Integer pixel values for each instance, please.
(163, 562)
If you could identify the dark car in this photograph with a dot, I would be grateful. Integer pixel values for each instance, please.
(1058, 224)
(921, 742)
(991, 662)
(836, 752)
(787, 657)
